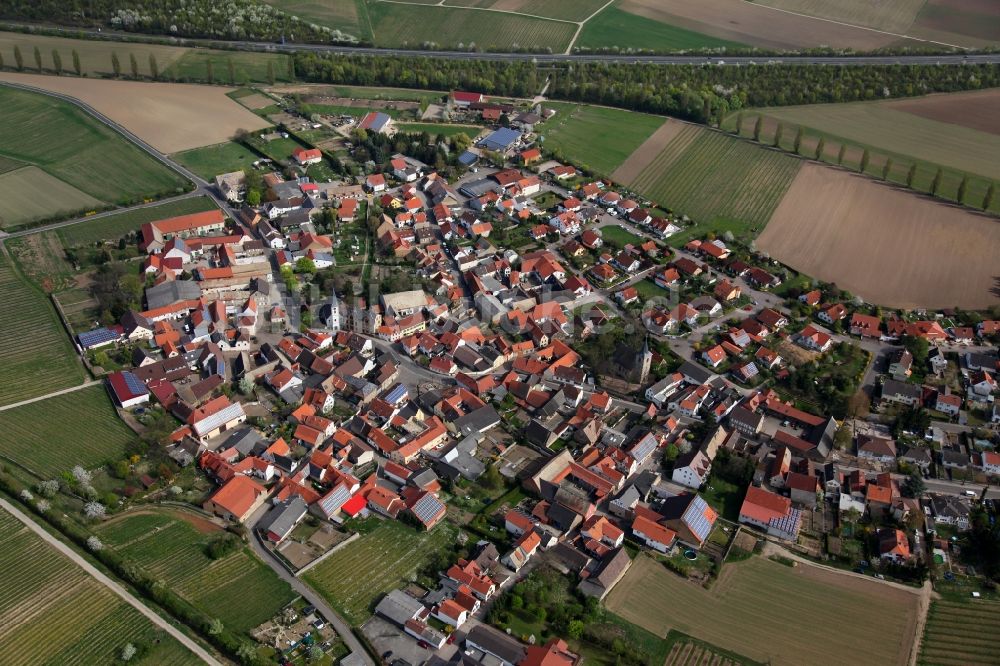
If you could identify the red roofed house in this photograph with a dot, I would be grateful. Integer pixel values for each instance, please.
(772, 513)
(466, 98)
(894, 546)
(449, 612)
(654, 535)
(471, 574)
(237, 499)
(306, 156)
(554, 653)
(714, 356)
(531, 156)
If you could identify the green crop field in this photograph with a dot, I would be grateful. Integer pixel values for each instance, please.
(393, 94)
(730, 614)
(615, 28)
(355, 577)
(36, 357)
(55, 613)
(713, 177)
(882, 128)
(55, 434)
(29, 194)
(247, 67)
(961, 633)
(68, 144)
(95, 55)
(116, 225)
(238, 589)
(567, 10)
(345, 15)
(398, 25)
(210, 161)
(596, 137)
(435, 129)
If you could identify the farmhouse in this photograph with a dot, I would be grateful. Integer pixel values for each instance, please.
(376, 121)
(654, 535)
(237, 499)
(771, 513)
(156, 234)
(127, 389)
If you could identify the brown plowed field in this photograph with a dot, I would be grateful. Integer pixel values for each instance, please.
(745, 22)
(978, 110)
(888, 246)
(644, 155)
(169, 116)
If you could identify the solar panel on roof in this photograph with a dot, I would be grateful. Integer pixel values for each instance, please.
(134, 384)
(427, 508)
(96, 337)
(695, 519)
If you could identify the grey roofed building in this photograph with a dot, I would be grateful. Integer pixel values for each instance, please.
(491, 641)
(461, 460)
(244, 441)
(745, 421)
(607, 576)
(282, 518)
(901, 392)
(477, 188)
(478, 421)
(537, 434)
(694, 374)
(572, 558)
(399, 607)
(169, 292)
(953, 458)
(951, 510)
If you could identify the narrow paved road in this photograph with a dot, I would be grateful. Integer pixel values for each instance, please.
(304, 590)
(110, 584)
(93, 382)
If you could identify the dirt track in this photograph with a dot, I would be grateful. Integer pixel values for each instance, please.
(170, 116)
(888, 246)
(644, 155)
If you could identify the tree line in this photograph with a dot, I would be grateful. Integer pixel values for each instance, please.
(702, 93)
(250, 20)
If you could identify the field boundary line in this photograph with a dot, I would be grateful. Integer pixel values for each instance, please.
(581, 24)
(353, 537)
(86, 384)
(120, 591)
(481, 9)
(853, 25)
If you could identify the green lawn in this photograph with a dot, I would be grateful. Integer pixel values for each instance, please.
(117, 225)
(67, 143)
(724, 497)
(35, 354)
(595, 137)
(619, 236)
(394, 94)
(614, 28)
(355, 577)
(210, 161)
(53, 435)
(238, 589)
(45, 595)
(356, 111)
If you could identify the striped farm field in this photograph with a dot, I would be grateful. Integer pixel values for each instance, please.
(238, 589)
(710, 176)
(53, 435)
(961, 633)
(113, 227)
(36, 356)
(751, 598)
(401, 25)
(53, 612)
(355, 577)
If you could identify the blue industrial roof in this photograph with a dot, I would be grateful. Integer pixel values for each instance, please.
(501, 139)
(468, 158)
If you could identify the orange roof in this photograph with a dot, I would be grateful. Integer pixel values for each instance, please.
(763, 506)
(654, 530)
(187, 222)
(237, 497)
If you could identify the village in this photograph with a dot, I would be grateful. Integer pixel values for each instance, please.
(379, 348)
